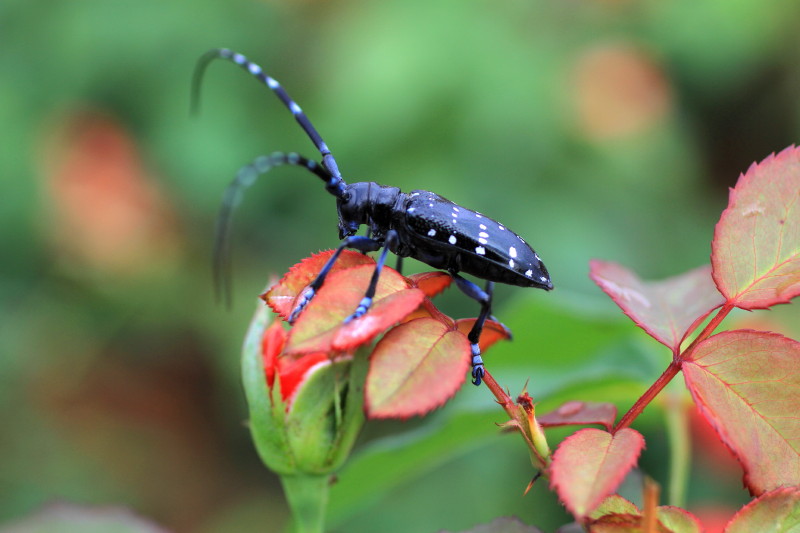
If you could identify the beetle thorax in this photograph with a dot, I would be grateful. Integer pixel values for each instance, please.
(366, 203)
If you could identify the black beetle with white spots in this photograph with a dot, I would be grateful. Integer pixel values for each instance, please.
(420, 224)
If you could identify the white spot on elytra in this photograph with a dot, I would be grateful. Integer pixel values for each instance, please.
(430, 205)
(456, 209)
(500, 227)
(482, 241)
(512, 252)
(480, 250)
(478, 215)
(529, 273)
(431, 232)
(511, 263)
(411, 209)
(452, 239)
(483, 234)
(543, 278)
(483, 226)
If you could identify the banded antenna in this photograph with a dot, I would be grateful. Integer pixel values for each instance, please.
(223, 53)
(328, 171)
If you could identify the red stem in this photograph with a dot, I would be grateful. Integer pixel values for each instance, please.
(502, 398)
(673, 368)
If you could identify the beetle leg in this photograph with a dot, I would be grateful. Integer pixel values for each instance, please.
(358, 242)
(483, 297)
(366, 302)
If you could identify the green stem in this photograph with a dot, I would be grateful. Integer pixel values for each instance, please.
(307, 496)
(677, 419)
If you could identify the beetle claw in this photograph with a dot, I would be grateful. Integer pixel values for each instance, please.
(362, 308)
(308, 294)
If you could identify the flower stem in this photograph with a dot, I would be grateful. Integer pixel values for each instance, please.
(307, 496)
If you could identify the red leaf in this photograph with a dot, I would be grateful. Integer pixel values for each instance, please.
(415, 368)
(431, 283)
(778, 508)
(756, 247)
(290, 370)
(747, 385)
(590, 464)
(666, 309)
(321, 328)
(575, 413)
(281, 297)
(492, 332)
(272, 343)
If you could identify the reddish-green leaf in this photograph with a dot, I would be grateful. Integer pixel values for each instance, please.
(756, 247)
(281, 298)
(431, 283)
(492, 331)
(678, 520)
(777, 511)
(616, 514)
(321, 327)
(614, 504)
(666, 309)
(579, 413)
(590, 464)
(624, 523)
(415, 368)
(747, 385)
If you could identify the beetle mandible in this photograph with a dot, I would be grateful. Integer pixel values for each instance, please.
(420, 224)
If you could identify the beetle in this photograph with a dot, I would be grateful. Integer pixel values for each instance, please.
(420, 224)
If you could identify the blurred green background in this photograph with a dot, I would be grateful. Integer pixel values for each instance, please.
(607, 129)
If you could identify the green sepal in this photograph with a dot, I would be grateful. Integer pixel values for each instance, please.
(267, 414)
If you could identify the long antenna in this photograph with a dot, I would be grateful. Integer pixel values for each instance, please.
(223, 53)
(246, 176)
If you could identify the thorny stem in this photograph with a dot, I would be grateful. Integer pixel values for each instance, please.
(503, 399)
(672, 370)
